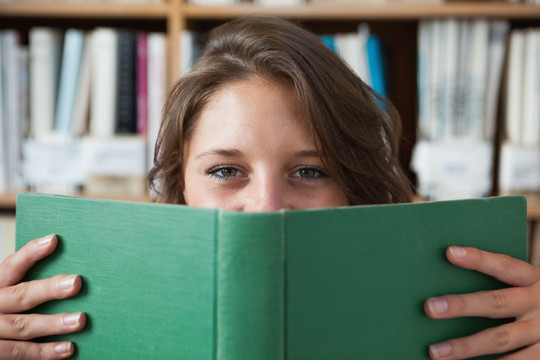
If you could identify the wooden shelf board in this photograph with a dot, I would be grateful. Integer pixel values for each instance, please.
(84, 10)
(393, 11)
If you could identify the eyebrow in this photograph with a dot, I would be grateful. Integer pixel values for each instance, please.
(235, 153)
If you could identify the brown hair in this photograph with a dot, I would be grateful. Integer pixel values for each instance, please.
(357, 131)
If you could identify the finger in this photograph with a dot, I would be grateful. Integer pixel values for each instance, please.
(497, 304)
(26, 327)
(15, 266)
(497, 340)
(528, 353)
(502, 267)
(27, 295)
(23, 350)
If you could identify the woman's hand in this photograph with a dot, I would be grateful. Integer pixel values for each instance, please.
(522, 302)
(15, 297)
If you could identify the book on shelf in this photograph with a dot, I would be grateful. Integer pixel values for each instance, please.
(337, 283)
(459, 82)
(519, 169)
(126, 71)
(45, 46)
(142, 82)
(14, 96)
(7, 234)
(81, 106)
(104, 81)
(72, 53)
(157, 84)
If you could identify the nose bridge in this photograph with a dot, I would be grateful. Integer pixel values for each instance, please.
(267, 194)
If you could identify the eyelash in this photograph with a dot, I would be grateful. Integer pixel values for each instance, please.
(319, 173)
(214, 172)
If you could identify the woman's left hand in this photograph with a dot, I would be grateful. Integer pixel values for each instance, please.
(522, 302)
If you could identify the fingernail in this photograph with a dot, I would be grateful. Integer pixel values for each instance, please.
(67, 282)
(72, 319)
(45, 240)
(440, 350)
(437, 306)
(63, 348)
(458, 251)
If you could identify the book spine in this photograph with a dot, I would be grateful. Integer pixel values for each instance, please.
(376, 65)
(71, 61)
(157, 63)
(250, 300)
(45, 50)
(142, 83)
(126, 110)
(514, 93)
(104, 81)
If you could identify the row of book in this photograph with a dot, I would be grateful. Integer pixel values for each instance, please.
(520, 152)
(65, 84)
(362, 50)
(460, 83)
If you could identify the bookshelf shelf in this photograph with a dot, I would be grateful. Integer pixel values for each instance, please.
(395, 11)
(82, 10)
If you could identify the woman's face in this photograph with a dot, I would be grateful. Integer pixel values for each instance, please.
(250, 151)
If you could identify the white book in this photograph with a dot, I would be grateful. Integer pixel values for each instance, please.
(436, 79)
(498, 34)
(11, 117)
(514, 87)
(530, 134)
(188, 50)
(424, 78)
(3, 140)
(104, 82)
(7, 236)
(462, 63)
(351, 47)
(449, 75)
(45, 53)
(157, 87)
(82, 97)
(69, 78)
(476, 79)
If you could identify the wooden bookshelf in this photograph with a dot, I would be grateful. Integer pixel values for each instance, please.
(392, 11)
(396, 21)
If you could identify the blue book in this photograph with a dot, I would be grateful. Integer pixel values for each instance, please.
(69, 71)
(376, 65)
(329, 41)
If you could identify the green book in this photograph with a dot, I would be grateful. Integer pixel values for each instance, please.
(175, 282)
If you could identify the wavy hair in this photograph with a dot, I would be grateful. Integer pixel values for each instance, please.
(356, 130)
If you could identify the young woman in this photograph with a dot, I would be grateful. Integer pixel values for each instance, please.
(270, 119)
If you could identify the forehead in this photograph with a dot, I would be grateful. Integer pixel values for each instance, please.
(243, 109)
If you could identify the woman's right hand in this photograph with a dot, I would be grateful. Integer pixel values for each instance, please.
(17, 329)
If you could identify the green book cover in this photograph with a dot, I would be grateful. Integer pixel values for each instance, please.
(174, 282)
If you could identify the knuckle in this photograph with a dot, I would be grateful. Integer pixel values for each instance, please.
(19, 351)
(497, 299)
(500, 337)
(20, 324)
(20, 292)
